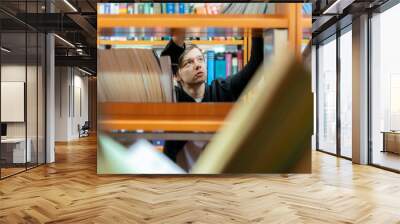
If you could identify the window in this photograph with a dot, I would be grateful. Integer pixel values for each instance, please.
(385, 88)
(346, 93)
(327, 96)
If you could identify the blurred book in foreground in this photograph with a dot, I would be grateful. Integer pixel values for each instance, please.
(269, 133)
(133, 75)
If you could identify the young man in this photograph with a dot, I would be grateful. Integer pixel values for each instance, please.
(190, 71)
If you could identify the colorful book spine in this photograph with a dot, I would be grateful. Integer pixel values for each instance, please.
(240, 59)
(220, 66)
(140, 8)
(123, 8)
(181, 8)
(131, 8)
(210, 66)
(228, 59)
(188, 8)
(170, 8)
(147, 8)
(157, 8)
(101, 8)
(164, 8)
(114, 8)
(234, 64)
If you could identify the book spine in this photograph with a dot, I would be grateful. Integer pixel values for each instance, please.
(188, 8)
(234, 64)
(151, 8)
(220, 66)
(115, 8)
(181, 8)
(210, 66)
(135, 8)
(157, 8)
(228, 59)
(101, 8)
(123, 8)
(240, 59)
(140, 8)
(170, 8)
(146, 8)
(131, 8)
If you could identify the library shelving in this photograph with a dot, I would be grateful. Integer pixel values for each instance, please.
(206, 117)
(164, 42)
(179, 117)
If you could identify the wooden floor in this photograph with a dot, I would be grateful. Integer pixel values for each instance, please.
(386, 159)
(69, 191)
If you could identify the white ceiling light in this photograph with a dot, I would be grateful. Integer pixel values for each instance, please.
(338, 6)
(5, 50)
(65, 41)
(86, 72)
(70, 5)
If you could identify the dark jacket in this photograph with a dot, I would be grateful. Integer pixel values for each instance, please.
(219, 90)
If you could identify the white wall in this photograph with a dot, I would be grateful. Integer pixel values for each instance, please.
(71, 94)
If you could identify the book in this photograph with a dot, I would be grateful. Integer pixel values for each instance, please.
(170, 8)
(228, 59)
(234, 64)
(140, 158)
(269, 133)
(191, 8)
(133, 75)
(220, 66)
(240, 59)
(181, 8)
(210, 66)
(123, 8)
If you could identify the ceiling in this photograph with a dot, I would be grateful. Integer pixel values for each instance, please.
(74, 21)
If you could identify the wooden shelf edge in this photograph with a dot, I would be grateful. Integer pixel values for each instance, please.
(164, 42)
(161, 125)
(306, 22)
(184, 21)
(158, 116)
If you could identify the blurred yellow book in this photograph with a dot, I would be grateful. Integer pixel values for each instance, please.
(271, 131)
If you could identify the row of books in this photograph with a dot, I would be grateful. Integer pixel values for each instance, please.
(222, 65)
(193, 8)
(137, 75)
(133, 75)
(165, 38)
(186, 8)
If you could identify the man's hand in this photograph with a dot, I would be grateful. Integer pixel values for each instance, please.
(257, 32)
(178, 36)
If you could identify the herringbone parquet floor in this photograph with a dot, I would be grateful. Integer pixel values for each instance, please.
(69, 191)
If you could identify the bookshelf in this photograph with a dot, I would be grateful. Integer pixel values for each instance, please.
(207, 117)
(164, 42)
(179, 117)
(185, 21)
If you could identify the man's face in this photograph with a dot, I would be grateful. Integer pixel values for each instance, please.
(193, 70)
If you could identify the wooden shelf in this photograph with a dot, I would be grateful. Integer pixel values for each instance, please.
(306, 22)
(164, 42)
(185, 21)
(174, 117)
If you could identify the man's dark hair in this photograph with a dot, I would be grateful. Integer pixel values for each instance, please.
(188, 48)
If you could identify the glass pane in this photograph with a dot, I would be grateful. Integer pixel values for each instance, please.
(386, 89)
(327, 97)
(13, 87)
(346, 94)
(41, 99)
(32, 90)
